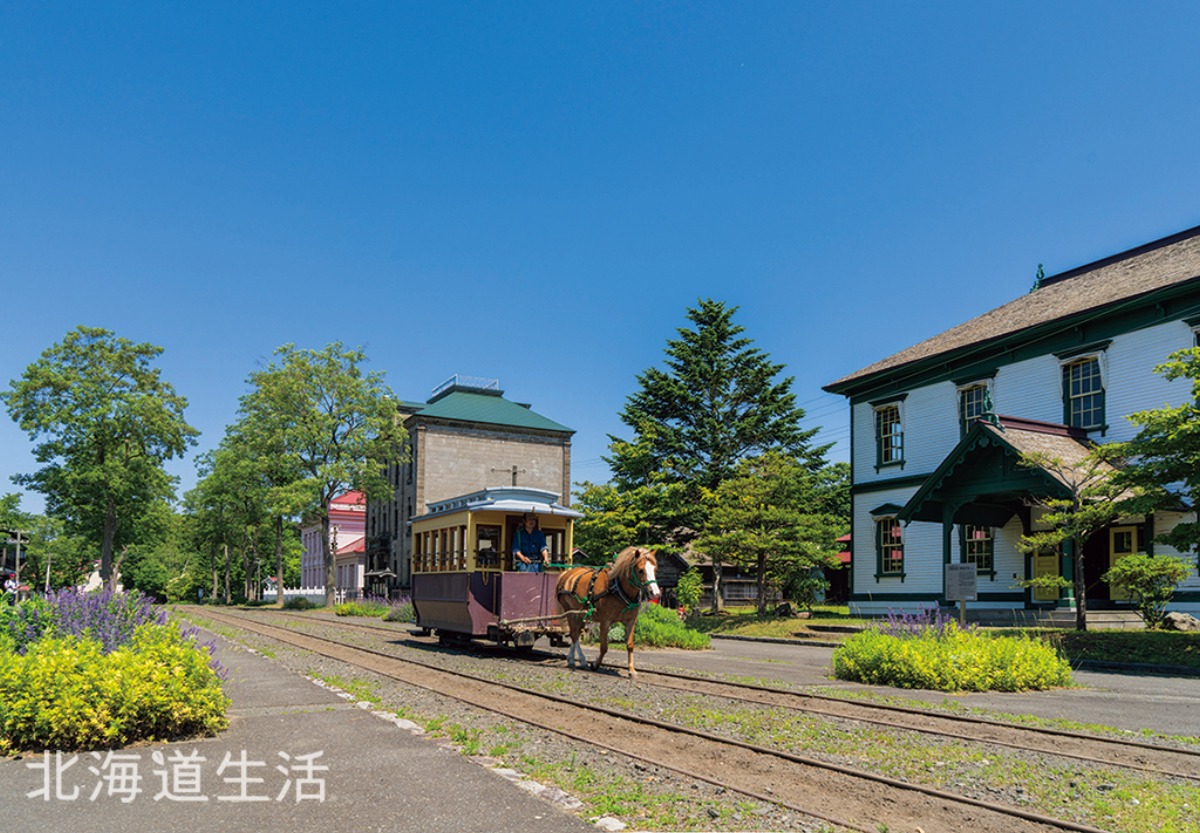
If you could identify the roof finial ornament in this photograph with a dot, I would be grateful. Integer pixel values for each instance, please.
(1037, 280)
(989, 410)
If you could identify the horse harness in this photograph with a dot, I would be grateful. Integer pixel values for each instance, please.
(614, 589)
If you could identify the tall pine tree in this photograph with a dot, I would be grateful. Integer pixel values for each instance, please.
(718, 400)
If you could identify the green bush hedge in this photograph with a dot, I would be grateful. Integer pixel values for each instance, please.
(661, 627)
(64, 693)
(364, 608)
(948, 659)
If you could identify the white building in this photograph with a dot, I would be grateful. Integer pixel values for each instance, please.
(347, 540)
(1064, 366)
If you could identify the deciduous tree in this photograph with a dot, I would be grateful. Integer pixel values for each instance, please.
(336, 425)
(1164, 457)
(1086, 503)
(105, 422)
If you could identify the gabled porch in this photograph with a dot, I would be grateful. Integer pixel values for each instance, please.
(982, 486)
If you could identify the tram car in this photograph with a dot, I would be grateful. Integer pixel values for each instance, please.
(464, 582)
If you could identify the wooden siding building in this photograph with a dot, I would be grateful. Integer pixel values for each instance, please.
(1055, 370)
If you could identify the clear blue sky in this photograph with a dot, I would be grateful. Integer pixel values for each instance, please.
(537, 191)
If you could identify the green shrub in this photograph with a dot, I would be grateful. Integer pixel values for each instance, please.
(948, 659)
(300, 603)
(1151, 580)
(66, 693)
(367, 607)
(689, 589)
(660, 627)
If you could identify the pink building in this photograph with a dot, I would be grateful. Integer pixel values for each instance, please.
(347, 530)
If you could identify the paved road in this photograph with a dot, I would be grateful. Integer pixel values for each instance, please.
(380, 777)
(1169, 705)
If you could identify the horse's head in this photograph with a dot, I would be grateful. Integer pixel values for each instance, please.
(644, 565)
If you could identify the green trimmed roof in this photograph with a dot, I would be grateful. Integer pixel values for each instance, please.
(1145, 275)
(487, 408)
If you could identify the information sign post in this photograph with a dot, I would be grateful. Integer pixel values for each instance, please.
(961, 587)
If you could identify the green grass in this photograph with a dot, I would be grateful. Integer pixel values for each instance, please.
(360, 689)
(1155, 647)
(745, 621)
(1099, 796)
(1152, 647)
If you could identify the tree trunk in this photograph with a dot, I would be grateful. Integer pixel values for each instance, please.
(226, 548)
(330, 574)
(116, 569)
(106, 543)
(762, 584)
(1080, 587)
(212, 563)
(718, 603)
(279, 560)
(244, 553)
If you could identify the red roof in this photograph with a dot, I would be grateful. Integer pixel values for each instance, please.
(349, 499)
(355, 546)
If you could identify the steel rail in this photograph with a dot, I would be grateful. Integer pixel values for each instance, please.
(290, 637)
(646, 675)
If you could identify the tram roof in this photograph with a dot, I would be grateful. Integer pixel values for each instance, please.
(505, 499)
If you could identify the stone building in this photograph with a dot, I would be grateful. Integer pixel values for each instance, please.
(465, 438)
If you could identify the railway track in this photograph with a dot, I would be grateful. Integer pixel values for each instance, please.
(1094, 749)
(839, 795)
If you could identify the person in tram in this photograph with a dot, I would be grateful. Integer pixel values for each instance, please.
(530, 553)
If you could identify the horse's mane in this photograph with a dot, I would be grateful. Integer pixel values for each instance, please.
(623, 565)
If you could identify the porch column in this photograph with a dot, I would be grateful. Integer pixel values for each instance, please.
(948, 510)
(1067, 597)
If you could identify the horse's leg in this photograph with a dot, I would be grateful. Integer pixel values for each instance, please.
(604, 626)
(629, 646)
(574, 624)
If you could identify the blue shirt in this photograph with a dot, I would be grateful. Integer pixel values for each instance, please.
(529, 544)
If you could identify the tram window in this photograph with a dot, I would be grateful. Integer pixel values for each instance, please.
(490, 551)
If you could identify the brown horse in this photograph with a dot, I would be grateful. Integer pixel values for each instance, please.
(607, 594)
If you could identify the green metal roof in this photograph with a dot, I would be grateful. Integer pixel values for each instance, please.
(491, 409)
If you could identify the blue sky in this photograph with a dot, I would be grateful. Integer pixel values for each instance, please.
(536, 192)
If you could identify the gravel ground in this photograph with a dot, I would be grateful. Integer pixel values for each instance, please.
(611, 786)
(647, 797)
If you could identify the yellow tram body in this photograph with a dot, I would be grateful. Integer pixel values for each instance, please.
(464, 583)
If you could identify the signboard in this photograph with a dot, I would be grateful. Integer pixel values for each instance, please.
(960, 583)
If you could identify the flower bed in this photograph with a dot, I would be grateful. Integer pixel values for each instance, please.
(92, 671)
(935, 654)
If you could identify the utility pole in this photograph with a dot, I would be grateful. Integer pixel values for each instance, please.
(17, 537)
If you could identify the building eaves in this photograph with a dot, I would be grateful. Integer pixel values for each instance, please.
(1105, 284)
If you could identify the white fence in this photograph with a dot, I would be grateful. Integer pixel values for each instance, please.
(316, 595)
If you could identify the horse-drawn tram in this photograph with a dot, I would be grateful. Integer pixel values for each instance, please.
(465, 583)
